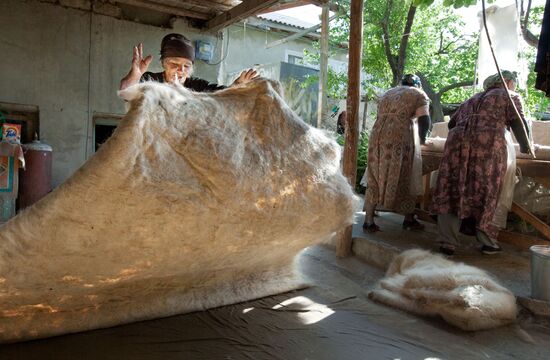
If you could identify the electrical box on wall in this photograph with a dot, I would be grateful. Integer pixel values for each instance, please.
(204, 50)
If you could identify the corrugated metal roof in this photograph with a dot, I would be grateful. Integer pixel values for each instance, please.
(286, 20)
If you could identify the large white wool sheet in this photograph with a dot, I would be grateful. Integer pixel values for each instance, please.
(197, 201)
(428, 284)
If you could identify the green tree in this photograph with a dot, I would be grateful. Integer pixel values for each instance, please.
(536, 101)
(399, 38)
(443, 56)
(427, 40)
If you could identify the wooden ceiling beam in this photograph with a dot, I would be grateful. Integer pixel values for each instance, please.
(206, 4)
(284, 5)
(243, 10)
(167, 9)
(332, 7)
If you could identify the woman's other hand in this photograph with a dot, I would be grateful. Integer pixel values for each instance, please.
(245, 77)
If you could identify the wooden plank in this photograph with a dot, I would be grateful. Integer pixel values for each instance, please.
(166, 9)
(323, 68)
(284, 5)
(207, 4)
(521, 241)
(331, 6)
(344, 243)
(538, 224)
(534, 168)
(243, 10)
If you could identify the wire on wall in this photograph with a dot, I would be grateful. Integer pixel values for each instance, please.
(222, 55)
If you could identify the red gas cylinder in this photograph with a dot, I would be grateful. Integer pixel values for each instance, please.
(36, 180)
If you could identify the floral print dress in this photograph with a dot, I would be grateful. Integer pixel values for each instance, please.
(474, 160)
(392, 148)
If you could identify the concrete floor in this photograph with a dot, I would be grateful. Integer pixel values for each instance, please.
(332, 319)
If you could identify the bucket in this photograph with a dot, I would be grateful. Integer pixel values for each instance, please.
(540, 272)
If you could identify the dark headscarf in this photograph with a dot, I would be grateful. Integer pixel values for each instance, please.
(177, 45)
(411, 80)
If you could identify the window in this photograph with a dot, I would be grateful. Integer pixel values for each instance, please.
(104, 126)
(297, 58)
(293, 59)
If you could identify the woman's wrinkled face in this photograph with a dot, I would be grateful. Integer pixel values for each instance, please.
(511, 85)
(177, 69)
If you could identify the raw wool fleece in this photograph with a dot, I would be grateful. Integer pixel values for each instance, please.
(197, 201)
(428, 284)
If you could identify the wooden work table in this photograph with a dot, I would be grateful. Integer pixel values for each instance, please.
(529, 167)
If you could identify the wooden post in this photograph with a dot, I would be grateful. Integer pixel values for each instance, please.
(427, 197)
(323, 71)
(343, 246)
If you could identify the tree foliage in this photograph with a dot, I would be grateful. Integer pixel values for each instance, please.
(437, 49)
(536, 101)
(454, 3)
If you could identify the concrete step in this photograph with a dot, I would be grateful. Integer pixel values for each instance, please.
(511, 267)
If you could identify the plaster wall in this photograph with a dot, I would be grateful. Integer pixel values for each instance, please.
(247, 48)
(69, 62)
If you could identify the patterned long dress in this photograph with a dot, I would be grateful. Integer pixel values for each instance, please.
(391, 150)
(473, 166)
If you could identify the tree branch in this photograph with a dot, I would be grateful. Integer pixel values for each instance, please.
(440, 51)
(427, 86)
(386, 39)
(528, 36)
(527, 13)
(435, 97)
(405, 40)
(444, 49)
(436, 110)
(444, 89)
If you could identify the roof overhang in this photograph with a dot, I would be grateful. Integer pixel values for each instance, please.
(214, 15)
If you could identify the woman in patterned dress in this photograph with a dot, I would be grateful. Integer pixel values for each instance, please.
(394, 169)
(474, 163)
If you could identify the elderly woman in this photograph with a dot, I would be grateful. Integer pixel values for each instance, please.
(394, 167)
(474, 164)
(177, 55)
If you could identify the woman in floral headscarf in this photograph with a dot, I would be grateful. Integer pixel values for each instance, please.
(474, 164)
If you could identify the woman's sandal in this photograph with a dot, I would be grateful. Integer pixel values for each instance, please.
(412, 225)
(447, 250)
(370, 228)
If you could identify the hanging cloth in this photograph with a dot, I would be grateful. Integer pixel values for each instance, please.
(542, 65)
